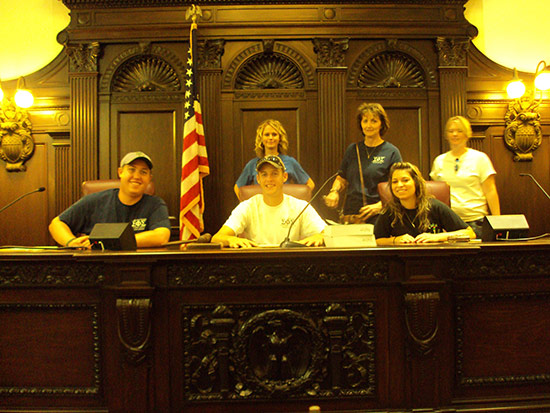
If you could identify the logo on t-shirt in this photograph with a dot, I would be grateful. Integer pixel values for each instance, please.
(139, 224)
(285, 222)
(378, 159)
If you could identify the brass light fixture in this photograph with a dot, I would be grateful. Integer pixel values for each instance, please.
(16, 141)
(523, 133)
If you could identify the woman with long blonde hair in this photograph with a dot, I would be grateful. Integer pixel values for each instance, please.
(272, 139)
(412, 216)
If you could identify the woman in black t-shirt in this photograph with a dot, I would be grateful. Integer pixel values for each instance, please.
(412, 216)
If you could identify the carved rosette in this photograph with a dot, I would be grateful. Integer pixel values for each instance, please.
(421, 318)
(453, 52)
(330, 52)
(16, 141)
(83, 57)
(134, 328)
(523, 133)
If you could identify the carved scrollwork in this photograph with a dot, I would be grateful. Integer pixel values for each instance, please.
(421, 318)
(134, 327)
(16, 141)
(391, 70)
(146, 73)
(210, 53)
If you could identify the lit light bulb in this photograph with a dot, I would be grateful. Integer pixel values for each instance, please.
(542, 81)
(24, 98)
(515, 89)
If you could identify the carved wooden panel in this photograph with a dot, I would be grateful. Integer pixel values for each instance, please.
(246, 352)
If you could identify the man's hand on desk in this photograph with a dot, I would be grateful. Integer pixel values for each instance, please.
(83, 242)
(316, 240)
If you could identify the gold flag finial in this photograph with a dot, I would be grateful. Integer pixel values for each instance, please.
(192, 12)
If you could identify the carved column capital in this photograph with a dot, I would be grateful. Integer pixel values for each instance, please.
(210, 53)
(330, 52)
(83, 57)
(452, 52)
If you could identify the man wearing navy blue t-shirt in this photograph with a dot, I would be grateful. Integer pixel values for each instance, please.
(147, 214)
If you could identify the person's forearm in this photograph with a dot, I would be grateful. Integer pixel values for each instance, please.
(153, 238)
(60, 232)
(493, 202)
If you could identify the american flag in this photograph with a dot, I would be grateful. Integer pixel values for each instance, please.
(194, 161)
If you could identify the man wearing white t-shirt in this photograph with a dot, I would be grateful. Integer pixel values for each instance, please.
(264, 219)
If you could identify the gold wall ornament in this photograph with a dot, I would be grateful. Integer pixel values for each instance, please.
(16, 142)
(523, 133)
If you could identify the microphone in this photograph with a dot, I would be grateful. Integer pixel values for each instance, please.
(535, 181)
(287, 243)
(204, 238)
(41, 189)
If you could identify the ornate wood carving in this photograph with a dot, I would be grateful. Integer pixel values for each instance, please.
(283, 55)
(26, 274)
(134, 328)
(330, 52)
(453, 52)
(66, 391)
(269, 71)
(145, 73)
(16, 141)
(244, 352)
(210, 52)
(83, 57)
(523, 133)
(393, 70)
(376, 66)
(219, 274)
(421, 312)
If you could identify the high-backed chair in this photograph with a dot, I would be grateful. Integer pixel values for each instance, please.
(439, 189)
(89, 187)
(299, 191)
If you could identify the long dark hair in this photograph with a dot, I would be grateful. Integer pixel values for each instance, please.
(422, 197)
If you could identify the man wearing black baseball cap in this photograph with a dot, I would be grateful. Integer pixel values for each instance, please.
(264, 219)
(147, 214)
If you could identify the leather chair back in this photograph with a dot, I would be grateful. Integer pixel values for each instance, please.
(439, 189)
(89, 187)
(299, 191)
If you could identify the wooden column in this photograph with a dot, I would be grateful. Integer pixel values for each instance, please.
(453, 71)
(83, 78)
(209, 84)
(331, 91)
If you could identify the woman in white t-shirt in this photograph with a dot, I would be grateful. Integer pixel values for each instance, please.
(469, 173)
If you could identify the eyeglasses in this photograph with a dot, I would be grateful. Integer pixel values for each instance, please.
(457, 164)
(274, 160)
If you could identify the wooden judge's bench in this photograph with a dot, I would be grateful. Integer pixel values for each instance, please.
(442, 328)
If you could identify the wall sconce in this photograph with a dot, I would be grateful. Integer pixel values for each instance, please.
(523, 133)
(23, 97)
(16, 141)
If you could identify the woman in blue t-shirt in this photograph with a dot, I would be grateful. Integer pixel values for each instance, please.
(272, 139)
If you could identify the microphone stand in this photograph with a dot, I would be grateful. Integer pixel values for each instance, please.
(535, 181)
(41, 189)
(287, 243)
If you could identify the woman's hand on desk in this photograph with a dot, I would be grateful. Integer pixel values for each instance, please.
(237, 242)
(316, 240)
